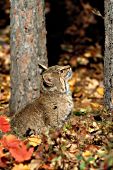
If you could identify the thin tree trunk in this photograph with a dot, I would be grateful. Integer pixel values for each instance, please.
(108, 60)
(28, 48)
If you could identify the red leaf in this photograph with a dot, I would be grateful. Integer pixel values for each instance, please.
(4, 124)
(47, 167)
(2, 164)
(10, 141)
(1, 151)
(17, 148)
(21, 153)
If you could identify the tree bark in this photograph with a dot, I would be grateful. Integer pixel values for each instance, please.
(108, 60)
(28, 48)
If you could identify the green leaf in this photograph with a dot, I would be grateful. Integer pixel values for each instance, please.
(90, 159)
(79, 157)
(82, 165)
(79, 113)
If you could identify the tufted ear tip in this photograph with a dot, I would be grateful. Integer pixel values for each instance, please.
(43, 66)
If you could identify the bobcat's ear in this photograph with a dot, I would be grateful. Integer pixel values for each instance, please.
(48, 80)
(43, 66)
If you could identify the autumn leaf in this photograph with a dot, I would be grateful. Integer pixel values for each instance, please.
(100, 90)
(47, 167)
(1, 151)
(4, 124)
(34, 140)
(17, 148)
(20, 167)
(21, 153)
(10, 141)
(95, 105)
(2, 164)
(35, 164)
(86, 154)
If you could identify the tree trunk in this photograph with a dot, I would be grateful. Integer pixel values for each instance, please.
(108, 60)
(28, 48)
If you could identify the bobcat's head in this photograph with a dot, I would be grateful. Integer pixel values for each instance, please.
(56, 78)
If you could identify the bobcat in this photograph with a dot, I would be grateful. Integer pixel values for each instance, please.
(52, 107)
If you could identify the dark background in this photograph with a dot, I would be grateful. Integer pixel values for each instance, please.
(60, 16)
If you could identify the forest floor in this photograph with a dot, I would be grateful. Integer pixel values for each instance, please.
(86, 141)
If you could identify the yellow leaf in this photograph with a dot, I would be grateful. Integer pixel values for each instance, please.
(87, 154)
(100, 90)
(34, 140)
(95, 105)
(20, 167)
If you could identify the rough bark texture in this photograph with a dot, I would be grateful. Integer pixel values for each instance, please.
(108, 60)
(28, 48)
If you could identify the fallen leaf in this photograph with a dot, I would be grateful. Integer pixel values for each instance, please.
(34, 164)
(46, 167)
(73, 148)
(34, 140)
(17, 148)
(10, 141)
(2, 164)
(1, 151)
(21, 153)
(100, 90)
(95, 105)
(86, 154)
(4, 124)
(20, 167)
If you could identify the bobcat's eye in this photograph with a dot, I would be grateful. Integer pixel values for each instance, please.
(61, 71)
